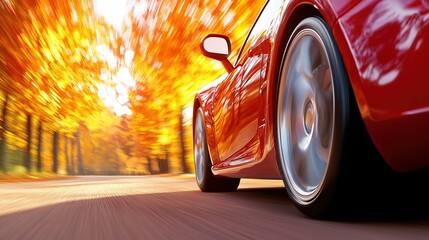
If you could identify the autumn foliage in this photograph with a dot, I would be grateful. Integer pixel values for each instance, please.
(65, 70)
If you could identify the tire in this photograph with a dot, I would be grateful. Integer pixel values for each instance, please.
(314, 109)
(206, 181)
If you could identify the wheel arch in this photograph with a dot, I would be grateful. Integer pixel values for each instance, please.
(209, 127)
(295, 12)
(197, 104)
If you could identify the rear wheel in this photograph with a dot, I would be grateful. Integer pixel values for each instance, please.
(313, 112)
(206, 181)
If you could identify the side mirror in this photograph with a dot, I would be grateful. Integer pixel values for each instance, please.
(218, 47)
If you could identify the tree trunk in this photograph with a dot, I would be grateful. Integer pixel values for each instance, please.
(166, 167)
(66, 154)
(27, 155)
(160, 165)
(79, 154)
(72, 157)
(185, 168)
(3, 124)
(39, 145)
(149, 164)
(55, 152)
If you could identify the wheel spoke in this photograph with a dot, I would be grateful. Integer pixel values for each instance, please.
(304, 171)
(316, 163)
(324, 125)
(326, 78)
(310, 164)
(322, 149)
(305, 57)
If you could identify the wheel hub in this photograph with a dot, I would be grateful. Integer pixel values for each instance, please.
(309, 117)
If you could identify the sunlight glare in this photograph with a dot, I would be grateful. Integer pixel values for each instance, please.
(116, 97)
(114, 11)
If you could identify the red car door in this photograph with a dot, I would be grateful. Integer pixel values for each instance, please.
(239, 99)
(225, 118)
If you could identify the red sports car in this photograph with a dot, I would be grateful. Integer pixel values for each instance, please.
(316, 87)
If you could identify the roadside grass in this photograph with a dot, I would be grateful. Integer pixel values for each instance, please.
(29, 177)
(17, 173)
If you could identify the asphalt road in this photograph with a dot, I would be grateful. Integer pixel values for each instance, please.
(172, 207)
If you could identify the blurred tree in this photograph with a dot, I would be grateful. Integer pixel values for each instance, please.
(55, 140)
(72, 158)
(39, 145)
(27, 155)
(78, 136)
(50, 65)
(182, 143)
(51, 58)
(2, 133)
(124, 136)
(149, 126)
(104, 145)
(66, 154)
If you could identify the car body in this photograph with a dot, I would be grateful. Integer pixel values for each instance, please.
(377, 49)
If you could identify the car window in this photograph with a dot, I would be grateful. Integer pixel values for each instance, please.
(259, 27)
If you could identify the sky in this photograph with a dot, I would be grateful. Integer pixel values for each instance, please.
(115, 93)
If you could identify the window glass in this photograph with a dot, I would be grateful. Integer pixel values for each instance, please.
(261, 25)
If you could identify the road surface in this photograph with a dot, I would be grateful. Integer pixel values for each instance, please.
(172, 207)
